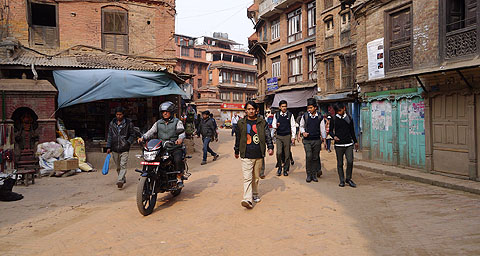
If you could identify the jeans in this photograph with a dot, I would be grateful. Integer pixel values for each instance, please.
(348, 152)
(206, 148)
(312, 154)
(329, 142)
(234, 128)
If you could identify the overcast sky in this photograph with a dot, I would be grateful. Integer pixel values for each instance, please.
(203, 17)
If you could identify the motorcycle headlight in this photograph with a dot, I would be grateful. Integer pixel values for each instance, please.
(150, 156)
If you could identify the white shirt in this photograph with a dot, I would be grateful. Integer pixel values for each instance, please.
(292, 123)
(323, 131)
(234, 119)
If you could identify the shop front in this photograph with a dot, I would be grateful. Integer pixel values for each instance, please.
(228, 110)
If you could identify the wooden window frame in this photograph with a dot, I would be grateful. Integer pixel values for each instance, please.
(298, 34)
(329, 76)
(126, 34)
(311, 31)
(32, 27)
(388, 29)
(295, 78)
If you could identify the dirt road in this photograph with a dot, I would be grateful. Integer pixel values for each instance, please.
(87, 215)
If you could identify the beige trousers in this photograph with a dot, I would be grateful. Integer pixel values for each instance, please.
(251, 172)
(121, 160)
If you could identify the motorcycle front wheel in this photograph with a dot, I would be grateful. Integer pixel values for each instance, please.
(146, 196)
(176, 192)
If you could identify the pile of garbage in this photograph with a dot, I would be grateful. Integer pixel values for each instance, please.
(50, 152)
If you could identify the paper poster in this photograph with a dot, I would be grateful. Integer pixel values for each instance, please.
(376, 65)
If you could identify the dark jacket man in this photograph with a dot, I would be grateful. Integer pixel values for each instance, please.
(207, 128)
(263, 134)
(120, 136)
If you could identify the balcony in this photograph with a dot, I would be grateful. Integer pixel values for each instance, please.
(268, 8)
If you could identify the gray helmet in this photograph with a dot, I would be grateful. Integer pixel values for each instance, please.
(167, 106)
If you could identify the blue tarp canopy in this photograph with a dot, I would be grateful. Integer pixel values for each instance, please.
(82, 86)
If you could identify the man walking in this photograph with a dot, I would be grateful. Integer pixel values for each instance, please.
(235, 119)
(284, 123)
(120, 136)
(207, 129)
(252, 137)
(342, 131)
(313, 131)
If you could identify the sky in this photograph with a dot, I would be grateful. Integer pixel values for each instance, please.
(203, 17)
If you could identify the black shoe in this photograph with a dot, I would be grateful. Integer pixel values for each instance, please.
(180, 184)
(314, 179)
(309, 178)
(285, 173)
(292, 162)
(120, 184)
(279, 171)
(342, 184)
(215, 157)
(351, 183)
(319, 173)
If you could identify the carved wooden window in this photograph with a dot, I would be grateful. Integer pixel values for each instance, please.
(115, 30)
(197, 53)
(399, 39)
(43, 27)
(460, 28)
(192, 68)
(348, 71)
(330, 75)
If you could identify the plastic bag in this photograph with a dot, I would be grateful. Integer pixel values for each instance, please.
(67, 148)
(79, 149)
(106, 165)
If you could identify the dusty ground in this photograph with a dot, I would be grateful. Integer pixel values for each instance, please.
(87, 215)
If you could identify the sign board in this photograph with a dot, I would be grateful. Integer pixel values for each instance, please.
(233, 106)
(272, 84)
(376, 64)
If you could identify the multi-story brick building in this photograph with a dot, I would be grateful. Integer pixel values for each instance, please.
(418, 69)
(230, 78)
(191, 60)
(38, 38)
(336, 55)
(284, 45)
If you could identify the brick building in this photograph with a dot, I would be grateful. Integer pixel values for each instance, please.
(230, 78)
(417, 66)
(41, 37)
(336, 55)
(284, 45)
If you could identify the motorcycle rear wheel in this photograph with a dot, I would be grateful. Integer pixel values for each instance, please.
(146, 198)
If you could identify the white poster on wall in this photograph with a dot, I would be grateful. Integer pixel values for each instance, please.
(375, 59)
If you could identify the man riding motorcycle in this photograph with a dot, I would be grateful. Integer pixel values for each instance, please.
(166, 129)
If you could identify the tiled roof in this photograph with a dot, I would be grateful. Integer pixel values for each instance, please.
(80, 57)
(21, 85)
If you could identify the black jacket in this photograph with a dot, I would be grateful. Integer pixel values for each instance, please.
(120, 141)
(343, 129)
(207, 128)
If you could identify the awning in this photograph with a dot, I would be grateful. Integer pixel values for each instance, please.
(295, 98)
(335, 97)
(82, 86)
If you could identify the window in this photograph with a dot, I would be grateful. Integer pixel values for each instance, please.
(210, 76)
(329, 43)
(192, 82)
(199, 82)
(237, 96)
(249, 79)
(115, 30)
(399, 39)
(197, 53)
(265, 32)
(461, 30)
(312, 18)
(312, 64)
(294, 25)
(276, 29)
(276, 71)
(184, 66)
(328, 3)
(192, 68)
(43, 27)
(347, 71)
(199, 69)
(185, 51)
(226, 77)
(250, 96)
(237, 77)
(346, 18)
(329, 24)
(295, 67)
(225, 96)
(330, 75)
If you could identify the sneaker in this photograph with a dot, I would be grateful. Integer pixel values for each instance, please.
(256, 199)
(180, 184)
(120, 184)
(247, 204)
(319, 173)
(262, 177)
(215, 157)
(203, 163)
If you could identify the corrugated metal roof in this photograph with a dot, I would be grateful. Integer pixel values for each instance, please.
(82, 57)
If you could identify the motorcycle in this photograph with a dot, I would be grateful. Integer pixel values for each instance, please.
(158, 174)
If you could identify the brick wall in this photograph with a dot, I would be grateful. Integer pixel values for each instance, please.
(80, 23)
